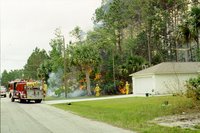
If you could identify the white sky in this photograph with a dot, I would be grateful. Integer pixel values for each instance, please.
(26, 24)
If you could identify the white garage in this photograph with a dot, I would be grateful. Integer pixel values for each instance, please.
(164, 78)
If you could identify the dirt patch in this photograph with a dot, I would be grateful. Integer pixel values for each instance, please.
(183, 120)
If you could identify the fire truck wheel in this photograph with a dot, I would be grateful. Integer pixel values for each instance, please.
(12, 99)
(21, 100)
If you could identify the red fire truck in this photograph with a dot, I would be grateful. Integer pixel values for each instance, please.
(25, 91)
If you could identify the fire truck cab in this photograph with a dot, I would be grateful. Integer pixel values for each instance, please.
(25, 91)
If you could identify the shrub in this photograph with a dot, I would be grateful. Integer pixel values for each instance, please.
(59, 91)
(193, 88)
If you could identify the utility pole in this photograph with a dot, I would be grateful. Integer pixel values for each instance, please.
(65, 78)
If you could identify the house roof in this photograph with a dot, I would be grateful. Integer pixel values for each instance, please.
(170, 67)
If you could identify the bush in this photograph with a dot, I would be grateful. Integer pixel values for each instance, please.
(193, 88)
(59, 91)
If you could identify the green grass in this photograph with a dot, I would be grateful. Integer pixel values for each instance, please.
(197, 126)
(133, 113)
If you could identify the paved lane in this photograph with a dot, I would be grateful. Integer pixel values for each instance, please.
(42, 118)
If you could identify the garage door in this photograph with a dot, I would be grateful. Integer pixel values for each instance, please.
(143, 85)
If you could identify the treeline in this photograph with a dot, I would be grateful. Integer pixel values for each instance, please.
(128, 35)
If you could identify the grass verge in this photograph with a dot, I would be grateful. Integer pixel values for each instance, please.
(134, 113)
(50, 98)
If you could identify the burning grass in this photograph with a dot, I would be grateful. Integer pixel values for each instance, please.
(135, 113)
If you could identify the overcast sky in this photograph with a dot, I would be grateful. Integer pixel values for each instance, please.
(26, 24)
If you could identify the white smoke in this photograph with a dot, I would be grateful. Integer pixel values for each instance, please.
(74, 88)
(55, 81)
(77, 93)
(106, 6)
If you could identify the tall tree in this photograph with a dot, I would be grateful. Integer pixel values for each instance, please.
(104, 41)
(36, 58)
(86, 58)
(57, 52)
(44, 70)
(78, 34)
(10, 76)
(113, 15)
(5, 78)
(195, 23)
(184, 37)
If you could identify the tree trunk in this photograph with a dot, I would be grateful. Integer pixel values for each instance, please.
(149, 46)
(198, 40)
(187, 53)
(191, 58)
(87, 74)
(118, 40)
(176, 51)
(198, 50)
(175, 24)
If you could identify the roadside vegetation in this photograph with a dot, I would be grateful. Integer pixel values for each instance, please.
(193, 88)
(136, 113)
(128, 35)
(50, 98)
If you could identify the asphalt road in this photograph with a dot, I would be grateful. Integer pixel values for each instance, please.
(41, 118)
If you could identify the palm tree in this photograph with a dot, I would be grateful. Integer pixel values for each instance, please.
(85, 57)
(195, 23)
(184, 36)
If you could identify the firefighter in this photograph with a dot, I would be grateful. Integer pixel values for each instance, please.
(44, 89)
(127, 87)
(97, 90)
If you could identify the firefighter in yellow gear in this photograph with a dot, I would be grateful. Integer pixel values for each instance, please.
(127, 87)
(44, 88)
(97, 90)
